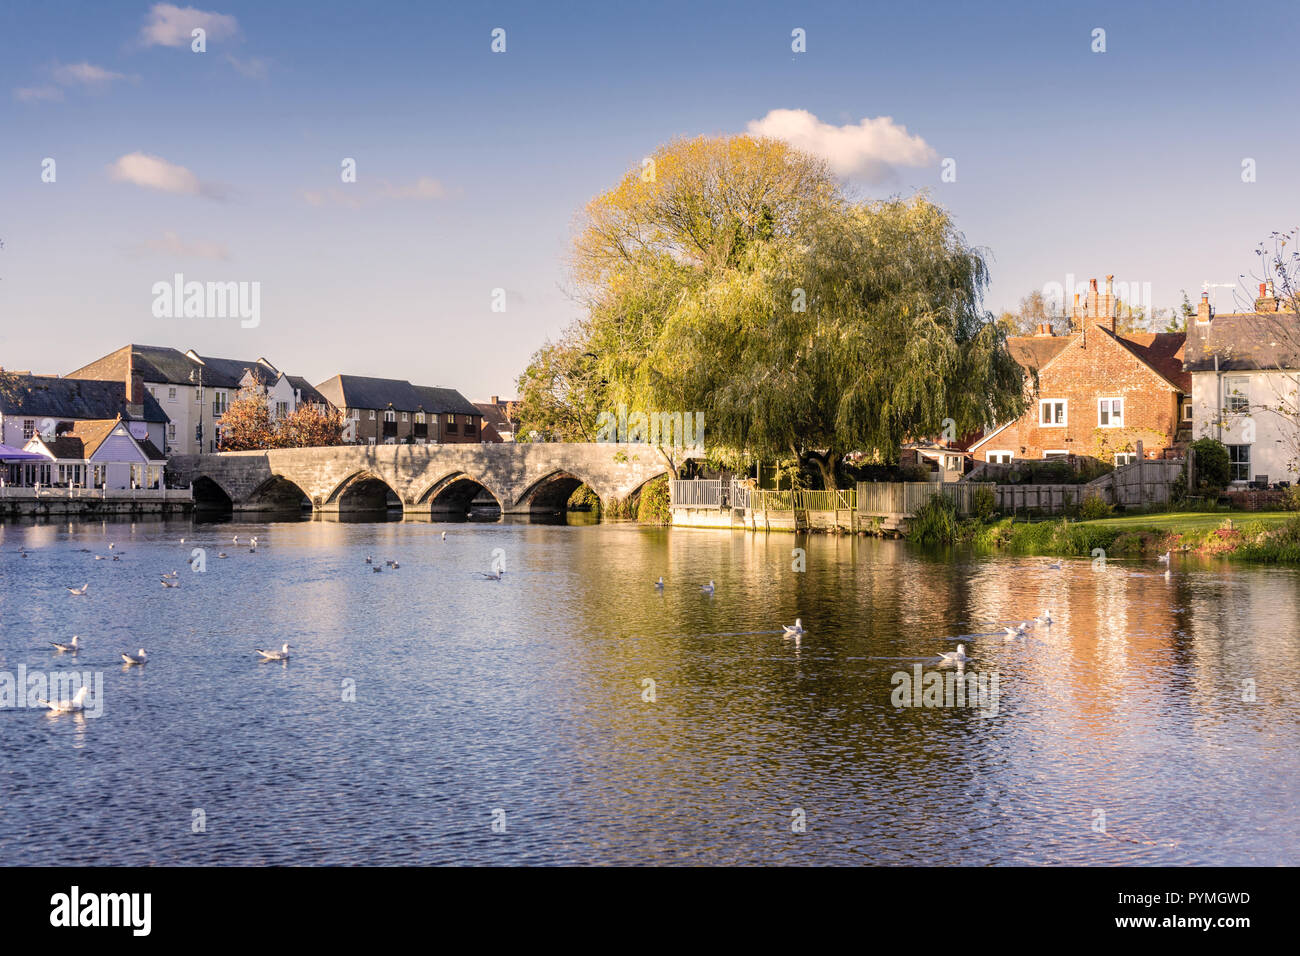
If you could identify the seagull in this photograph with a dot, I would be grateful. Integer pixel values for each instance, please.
(708, 588)
(955, 657)
(1017, 631)
(111, 546)
(116, 558)
(130, 659)
(370, 559)
(281, 655)
(377, 569)
(389, 563)
(491, 575)
(170, 584)
(98, 557)
(182, 540)
(659, 585)
(235, 540)
(72, 646)
(80, 590)
(1164, 558)
(68, 706)
(222, 554)
(444, 536)
(1044, 618)
(1053, 567)
(795, 628)
(396, 565)
(171, 574)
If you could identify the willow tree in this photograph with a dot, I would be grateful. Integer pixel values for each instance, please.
(733, 276)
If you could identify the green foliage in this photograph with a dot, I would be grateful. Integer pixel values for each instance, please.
(1095, 507)
(1293, 498)
(1212, 466)
(984, 503)
(653, 506)
(1280, 545)
(935, 522)
(584, 499)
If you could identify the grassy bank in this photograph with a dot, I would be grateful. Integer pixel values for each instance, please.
(1246, 535)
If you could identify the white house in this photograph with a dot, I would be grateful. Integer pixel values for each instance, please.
(1245, 370)
(95, 454)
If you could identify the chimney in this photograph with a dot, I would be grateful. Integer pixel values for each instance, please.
(495, 400)
(1110, 307)
(1203, 312)
(1267, 302)
(1094, 300)
(134, 386)
(1076, 318)
(1045, 328)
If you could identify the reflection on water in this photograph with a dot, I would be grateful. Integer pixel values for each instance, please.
(1132, 713)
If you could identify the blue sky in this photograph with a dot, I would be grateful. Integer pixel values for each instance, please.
(471, 166)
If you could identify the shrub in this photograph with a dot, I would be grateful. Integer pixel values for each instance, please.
(1293, 498)
(653, 506)
(584, 499)
(1212, 465)
(935, 521)
(984, 503)
(1094, 507)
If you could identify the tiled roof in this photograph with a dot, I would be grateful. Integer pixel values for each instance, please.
(1035, 351)
(228, 373)
(82, 441)
(1162, 351)
(1244, 341)
(360, 391)
(42, 396)
(306, 391)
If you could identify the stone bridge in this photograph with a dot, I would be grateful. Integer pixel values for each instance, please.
(529, 478)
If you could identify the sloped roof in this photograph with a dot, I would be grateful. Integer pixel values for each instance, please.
(494, 415)
(82, 441)
(1035, 351)
(306, 391)
(360, 391)
(1162, 351)
(228, 373)
(1244, 341)
(46, 396)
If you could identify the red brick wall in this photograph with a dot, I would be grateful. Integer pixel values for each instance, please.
(1082, 376)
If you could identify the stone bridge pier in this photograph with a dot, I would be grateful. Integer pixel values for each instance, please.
(426, 479)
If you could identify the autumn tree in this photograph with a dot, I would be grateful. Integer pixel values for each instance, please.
(246, 425)
(310, 426)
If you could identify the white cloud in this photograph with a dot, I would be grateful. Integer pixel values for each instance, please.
(35, 94)
(254, 67)
(85, 74)
(868, 150)
(424, 188)
(154, 172)
(173, 245)
(169, 25)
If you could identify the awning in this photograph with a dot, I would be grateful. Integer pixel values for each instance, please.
(10, 453)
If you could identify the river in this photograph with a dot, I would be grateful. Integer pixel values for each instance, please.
(571, 713)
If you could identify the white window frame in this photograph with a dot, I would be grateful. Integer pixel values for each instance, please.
(1186, 413)
(1239, 403)
(1110, 412)
(1128, 456)
(1249, 463)
(171, 393)
(1065, 412)
(372, 414)
(406, 416)
(992, 457)
(948, 462)
(390, 415)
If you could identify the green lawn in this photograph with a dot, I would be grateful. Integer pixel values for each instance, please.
(1192, 520)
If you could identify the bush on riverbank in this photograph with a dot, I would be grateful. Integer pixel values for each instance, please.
(935, 522)
(653, 506)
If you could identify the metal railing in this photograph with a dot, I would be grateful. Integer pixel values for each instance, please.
(46, 493)
(699, 493)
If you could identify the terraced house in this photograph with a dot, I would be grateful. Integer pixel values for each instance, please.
(1099, 393)
(389, 411)
(196, 390)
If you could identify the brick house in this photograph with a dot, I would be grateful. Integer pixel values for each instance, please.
(1098, 392)
(388, 411)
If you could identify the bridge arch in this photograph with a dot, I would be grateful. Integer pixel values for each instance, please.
(454, 494)
(361, 491)
(551, 493)
(277, 493)
(210, 496)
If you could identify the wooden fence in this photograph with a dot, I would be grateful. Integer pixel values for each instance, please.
(881, 498)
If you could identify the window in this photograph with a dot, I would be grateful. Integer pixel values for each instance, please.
(1110, 413)
(372, 416)
(469, 424)
(406, 417)
(390, 415)
(281, 409)
(1236, 394)
(452, 427)
(1056, 453)
(1051, 412)
(1187, 410)
(952, 462)
(1239, 457)
(29, 427)
(198, 396)
(153, 390)
(999, 457)
(1125, 458)
(171, 431)
(419, 418)
(171, 394)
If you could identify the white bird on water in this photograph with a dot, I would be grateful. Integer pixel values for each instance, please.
(73, 646)
(1044, 618)
(955, 657)
(659, 585)
(1164, 558)
(709, 588)
(444, 536)
(80, 590)
(281, 655)
(167, 583)
(68, 706)
(130, 659)
(1017, 631)
(795, 628)
(111, 546)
